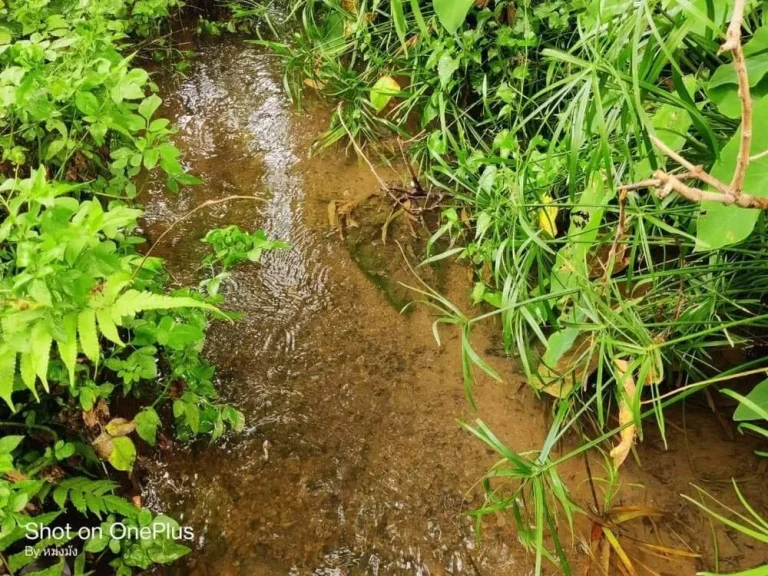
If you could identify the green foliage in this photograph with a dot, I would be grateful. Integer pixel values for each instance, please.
(232, 245)
(529, 116)
(452, 13)
(84, 317)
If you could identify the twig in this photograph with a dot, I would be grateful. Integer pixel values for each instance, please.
(731, 194)
(733, 44)
(358, 149)
(415, 184)
(184, 217)
(697, 172)
(5, 563)
(670, 183)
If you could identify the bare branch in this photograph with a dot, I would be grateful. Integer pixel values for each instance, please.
(695, 171)
(733, 44)
(731, 194)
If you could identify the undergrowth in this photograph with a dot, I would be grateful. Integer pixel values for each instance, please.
(533, 117)
(88, 328)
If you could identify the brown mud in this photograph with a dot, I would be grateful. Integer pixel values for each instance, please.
(352, 461)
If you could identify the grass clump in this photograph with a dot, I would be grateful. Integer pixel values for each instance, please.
(536, 119)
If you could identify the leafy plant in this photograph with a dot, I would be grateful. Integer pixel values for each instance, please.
(538, 121)
(85, 319)
(232, 245)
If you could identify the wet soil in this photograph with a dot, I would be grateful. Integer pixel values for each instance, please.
(352, 461)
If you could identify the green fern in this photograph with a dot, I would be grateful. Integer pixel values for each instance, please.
(30, 336)
(92, 496)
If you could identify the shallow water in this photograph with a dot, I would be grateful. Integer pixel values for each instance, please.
(351, 461)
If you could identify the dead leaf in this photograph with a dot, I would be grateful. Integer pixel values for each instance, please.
(511, 14)
(333, 215)
(103, 445)
(120, 427)
(137, 501)
(598, 261)
(98, 415)
(316, 84)
(14, 476)
(391, 218)
(622, 555)
(621, 451)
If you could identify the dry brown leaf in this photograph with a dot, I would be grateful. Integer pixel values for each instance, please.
(137, 501)
(511, 13)
(98, 415)
(14, 476)
(103, 445)
(621, 451)
(333, 215)
(316, 84)
(91, 419)
(394, 215)
(598, 261)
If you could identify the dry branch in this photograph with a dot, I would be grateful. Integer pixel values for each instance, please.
(732, 193)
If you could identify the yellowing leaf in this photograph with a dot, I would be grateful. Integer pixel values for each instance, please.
(620, 452)
(382, 92)
(316, 84)
(547, 217)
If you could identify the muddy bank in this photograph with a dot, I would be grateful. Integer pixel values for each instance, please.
(352, 462)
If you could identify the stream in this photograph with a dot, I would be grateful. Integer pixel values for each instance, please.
(351, 461)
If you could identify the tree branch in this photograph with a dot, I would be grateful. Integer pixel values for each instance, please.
(730, 194)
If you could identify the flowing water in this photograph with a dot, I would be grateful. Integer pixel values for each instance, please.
(351, 461)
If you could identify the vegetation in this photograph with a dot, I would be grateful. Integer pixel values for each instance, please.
(88, 328)
(572, 139)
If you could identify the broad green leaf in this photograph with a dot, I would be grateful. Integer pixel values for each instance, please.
(149, 105)
(452, 13)
(7, 374)
(147, 422)
(446, 66)
(758, 395)
(571, 268)
(107, 326)
(40, 343)
(89, 337)
(719, 225)
(9, 443)
(68, 348)
(723, 86)
(123, 453)
(40, 293)
(382, 92)
(28, 372)
(87, 103)
(670, 124)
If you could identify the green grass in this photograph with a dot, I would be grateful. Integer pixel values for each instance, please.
(529, 117)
